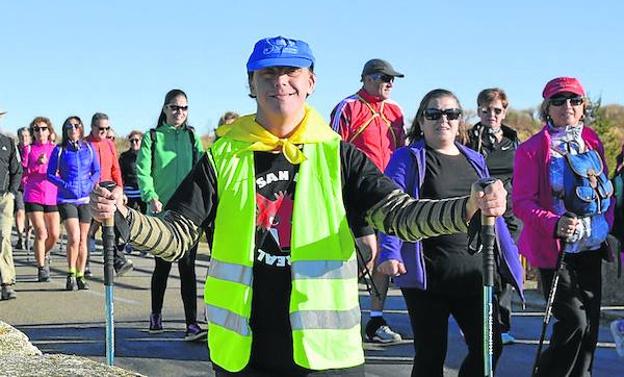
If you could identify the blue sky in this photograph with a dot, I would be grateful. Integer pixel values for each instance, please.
(59, 58)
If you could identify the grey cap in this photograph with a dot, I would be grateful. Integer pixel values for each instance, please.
(380, 66)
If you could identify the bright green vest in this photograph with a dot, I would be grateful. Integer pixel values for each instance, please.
(324, 308)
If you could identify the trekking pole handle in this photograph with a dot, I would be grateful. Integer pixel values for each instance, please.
(485, 182)
(108, 240)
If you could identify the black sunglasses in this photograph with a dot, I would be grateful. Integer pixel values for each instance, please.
(72, 125)
(178, 108)
(104, 128)
(435, 114)
(560, 101)
(382, 77)
(37, 129)
(134, 140)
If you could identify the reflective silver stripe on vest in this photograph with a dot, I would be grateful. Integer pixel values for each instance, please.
(231, 272)
(228, 319)
(325, 269)
(325, 319)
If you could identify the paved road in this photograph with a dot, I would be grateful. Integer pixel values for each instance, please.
(73, 322)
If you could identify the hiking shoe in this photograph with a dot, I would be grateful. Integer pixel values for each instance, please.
(194, 332)
(82, 283)
(377, 330)
(123, 267)
(43, 274)
(87, 271)
(507, 338)
(7, 292)
(617, 330)
(71, 284)
(155, 323)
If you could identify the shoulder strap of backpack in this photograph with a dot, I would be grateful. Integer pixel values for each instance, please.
(191, 131)
(152, 133)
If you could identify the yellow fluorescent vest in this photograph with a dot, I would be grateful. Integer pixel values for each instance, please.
(324, 308)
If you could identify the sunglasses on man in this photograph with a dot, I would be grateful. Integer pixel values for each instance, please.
(382, 77)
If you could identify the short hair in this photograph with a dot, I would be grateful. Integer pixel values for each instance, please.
(227, 115)
(487, 96)
(41, 119)
(251, 73)
(96, 117)
(415, 132)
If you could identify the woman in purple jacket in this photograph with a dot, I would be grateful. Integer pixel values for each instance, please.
(40, 194)
(440, 276)
(75, 170)
(538, 201)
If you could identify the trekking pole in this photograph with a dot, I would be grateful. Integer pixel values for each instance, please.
(487, 240)
(369, 273)
(549, 302)
(108, 239)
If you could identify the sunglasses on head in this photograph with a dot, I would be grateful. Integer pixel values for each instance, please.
(72, 125)
(495, 110)
(382, 77)
(561, 100)
(37, 129)
(435, 114)
(178, 108)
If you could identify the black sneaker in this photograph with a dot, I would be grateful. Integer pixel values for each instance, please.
(87, 271)
(19, 245)
(82, 283)
(7, 292)
(155, 326)
(43, 274)
(194, 332)
(71, 284)
(123, 267)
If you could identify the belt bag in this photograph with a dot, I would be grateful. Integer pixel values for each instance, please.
(586, 187)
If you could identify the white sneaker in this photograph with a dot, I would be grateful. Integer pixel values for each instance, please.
(617, 330)
(384, 334)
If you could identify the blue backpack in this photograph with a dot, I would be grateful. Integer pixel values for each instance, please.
(587, 190)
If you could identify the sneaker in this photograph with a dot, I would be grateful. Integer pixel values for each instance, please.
(7, 292)
(43, 274)
(377, 330)
(19, 245)
(194, 332)
(155, 323)
(87, 271)
(82, 283)
(71, 284)
(507, 338)
(617, 330)
(123, 267)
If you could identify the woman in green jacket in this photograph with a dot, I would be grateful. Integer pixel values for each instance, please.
(168, 153)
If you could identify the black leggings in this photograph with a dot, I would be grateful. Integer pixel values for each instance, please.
(577, 310)
(188, 284)
(429, 313)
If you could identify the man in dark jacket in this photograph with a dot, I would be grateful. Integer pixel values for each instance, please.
(10, 176)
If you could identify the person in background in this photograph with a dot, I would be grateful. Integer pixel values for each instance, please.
(106, 152)
(74, 169)
(440, 276)
(110, 135)
(127, 163)
(167, 155)
(11, 170)
(538, 201)
(373, 122)
(228, 118)
(22, 226)
(498, 142)
(281, 293)
(40, 195)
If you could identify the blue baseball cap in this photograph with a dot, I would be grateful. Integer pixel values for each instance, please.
(280, 51)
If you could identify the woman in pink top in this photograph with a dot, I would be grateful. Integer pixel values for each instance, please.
(40, 194)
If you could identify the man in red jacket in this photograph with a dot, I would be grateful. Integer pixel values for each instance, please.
(373, 122)
(109, 171)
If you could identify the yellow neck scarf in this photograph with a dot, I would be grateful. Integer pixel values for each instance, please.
(312, 129)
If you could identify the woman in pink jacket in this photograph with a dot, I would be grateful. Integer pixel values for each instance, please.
(40, 194)
(540, 201)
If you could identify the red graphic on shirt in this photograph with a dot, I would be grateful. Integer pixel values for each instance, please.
(276, 215)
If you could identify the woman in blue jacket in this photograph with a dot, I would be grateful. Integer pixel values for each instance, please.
(75, 170)
(439, 276)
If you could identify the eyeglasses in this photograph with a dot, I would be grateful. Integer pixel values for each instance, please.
(560, 101)
(110, 137)
(382, 77)
(495, 110)
(104, 128)
(435, 114)
(178, 108)
(72, 125)
(134, 140)
(37, 129)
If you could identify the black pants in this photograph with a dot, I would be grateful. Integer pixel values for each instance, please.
(188, 284)
(577, 310)
(429, 315)
(504, 306)
(250, 372)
